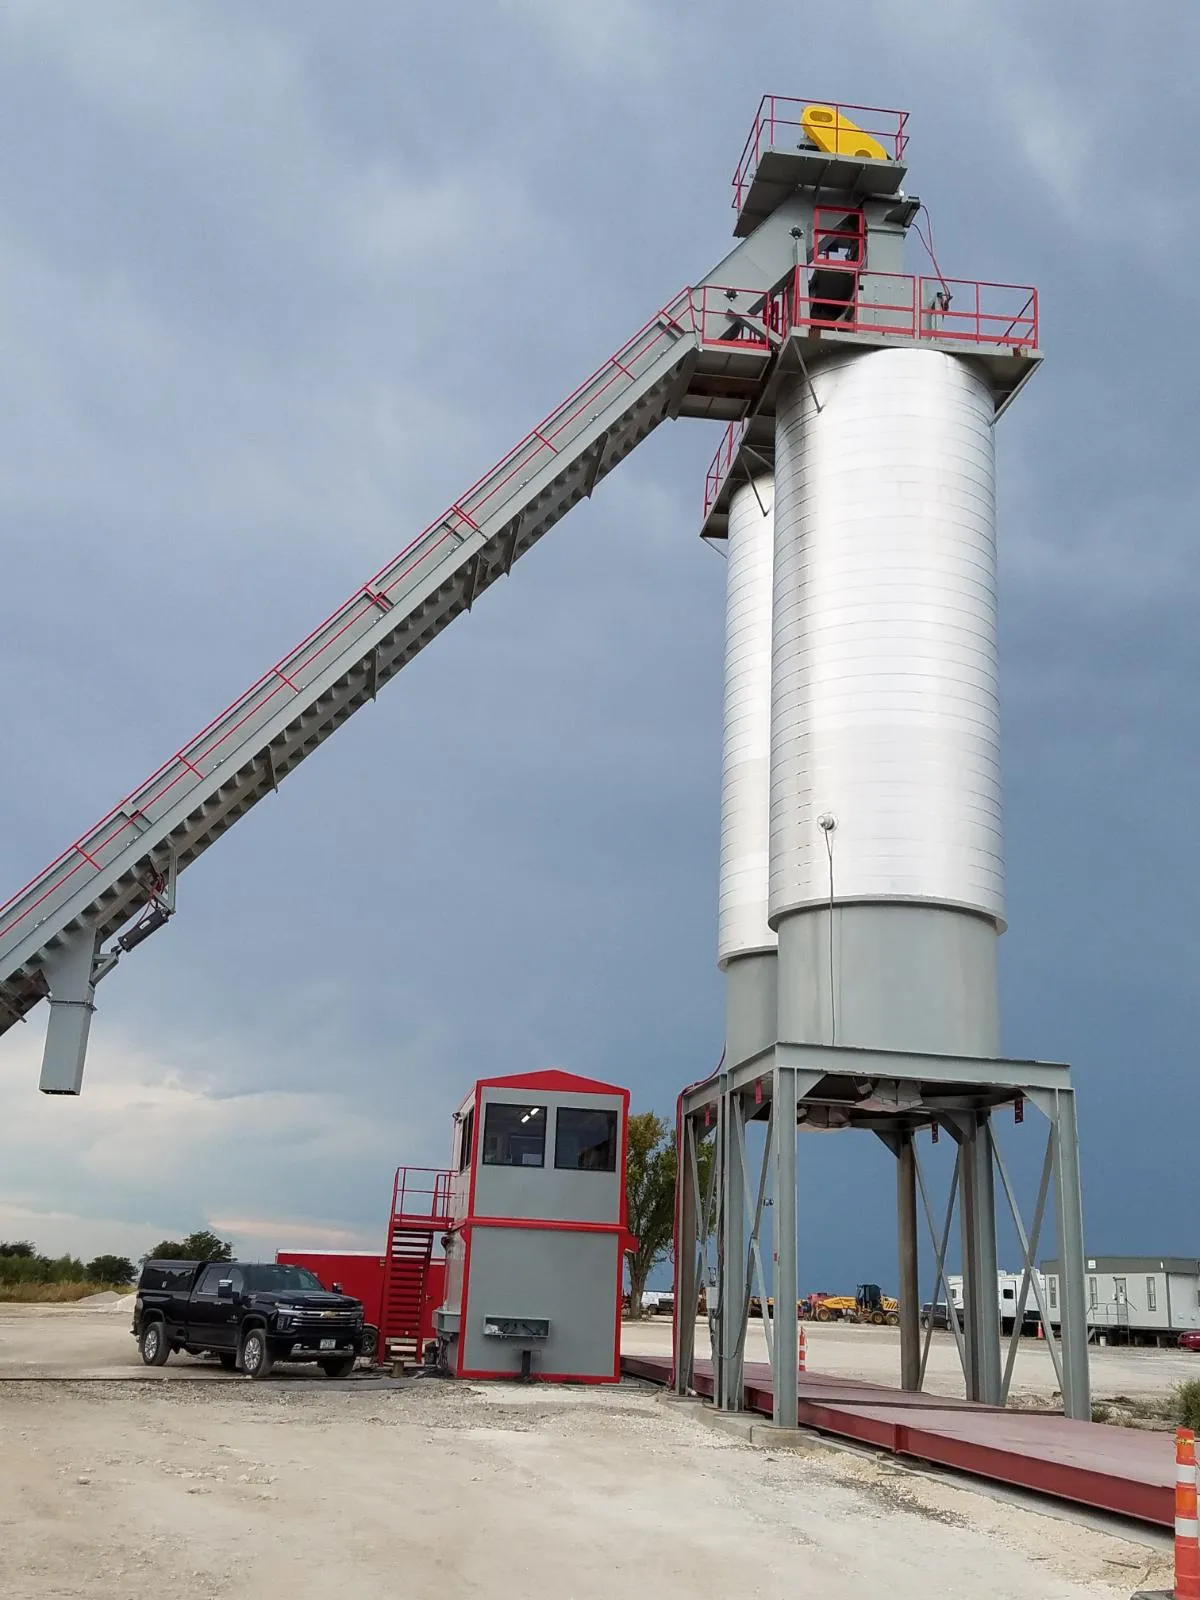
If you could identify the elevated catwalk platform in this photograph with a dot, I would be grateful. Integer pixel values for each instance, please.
(1107, 1469)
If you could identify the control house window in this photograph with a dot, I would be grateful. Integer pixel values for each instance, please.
(1151, 1295)
(585, 1141)
(514, 1136)
(467, 1134)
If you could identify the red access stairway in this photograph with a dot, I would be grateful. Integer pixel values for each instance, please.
(420, 1209)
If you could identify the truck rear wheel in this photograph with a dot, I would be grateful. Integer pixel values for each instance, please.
(342, 1367)
(153, 1345)
(256, 1355)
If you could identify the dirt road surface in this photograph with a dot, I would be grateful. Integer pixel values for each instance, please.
(187, 1482)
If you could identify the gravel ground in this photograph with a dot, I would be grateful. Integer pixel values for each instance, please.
(230, 1489)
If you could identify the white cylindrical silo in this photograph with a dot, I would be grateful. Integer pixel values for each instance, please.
(746, 942)
(884, 705)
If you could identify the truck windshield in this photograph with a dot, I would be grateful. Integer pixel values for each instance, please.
(280, 1277)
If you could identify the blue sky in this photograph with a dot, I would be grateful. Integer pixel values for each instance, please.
(276, 283)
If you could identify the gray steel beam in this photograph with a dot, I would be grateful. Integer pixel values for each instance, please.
(729, 1361)
(909, 1290)
(981, 1298)
(1068, 1206)
(688, 1236)
(816, 1061)
(783, 1355)
(857, 1062)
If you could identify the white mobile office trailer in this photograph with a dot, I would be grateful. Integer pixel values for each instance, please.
(1135, 1299)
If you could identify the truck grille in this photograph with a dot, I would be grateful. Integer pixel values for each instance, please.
(315, 1321)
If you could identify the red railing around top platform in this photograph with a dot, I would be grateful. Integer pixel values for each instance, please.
(997, 316)
(963, 310)
(422, 1193)
(777, 123)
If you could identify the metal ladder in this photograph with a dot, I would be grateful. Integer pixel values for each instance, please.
(703, 354)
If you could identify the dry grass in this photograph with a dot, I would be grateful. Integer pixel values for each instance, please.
(51, 1293)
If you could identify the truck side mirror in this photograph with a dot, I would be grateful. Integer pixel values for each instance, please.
(337, 1289)
(225, 1289)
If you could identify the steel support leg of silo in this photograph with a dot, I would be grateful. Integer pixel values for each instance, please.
(981, 1295)
(71, 975)
(909, 1290)
(728, 1370)
(783, 1132)
(1068, 1206)
(687, 1289)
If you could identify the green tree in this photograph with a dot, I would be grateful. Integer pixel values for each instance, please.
(111, 1269)
(20, 1249)
(202, 1245)
(650, 1193)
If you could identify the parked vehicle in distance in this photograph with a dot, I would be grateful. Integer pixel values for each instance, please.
(1190, 1339)
(935, 1314)
(248, 1314)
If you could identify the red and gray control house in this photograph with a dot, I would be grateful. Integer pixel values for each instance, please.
(538, 1229)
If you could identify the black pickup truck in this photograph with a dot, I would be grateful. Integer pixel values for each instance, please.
(248, 1314)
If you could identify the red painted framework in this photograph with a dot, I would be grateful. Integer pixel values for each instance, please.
(550, 1081)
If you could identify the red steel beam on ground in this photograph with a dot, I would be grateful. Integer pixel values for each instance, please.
(1121, 1470)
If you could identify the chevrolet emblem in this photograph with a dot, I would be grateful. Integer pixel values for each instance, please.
(327, 1314)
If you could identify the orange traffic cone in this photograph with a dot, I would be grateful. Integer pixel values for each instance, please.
(1187, 1534)
(801, 1349)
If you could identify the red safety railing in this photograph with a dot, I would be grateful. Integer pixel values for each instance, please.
(422, 1193)
(717, 313)
(1002, 315)
(722, 464)
(777, 123)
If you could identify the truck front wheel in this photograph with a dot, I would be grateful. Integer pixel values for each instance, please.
(256, 1355)
(341, 1368)
(153, 1345)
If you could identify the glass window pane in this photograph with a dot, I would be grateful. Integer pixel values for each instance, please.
(585, 1141)
(514, 1136)
(277, 1276)
(467, 1132)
